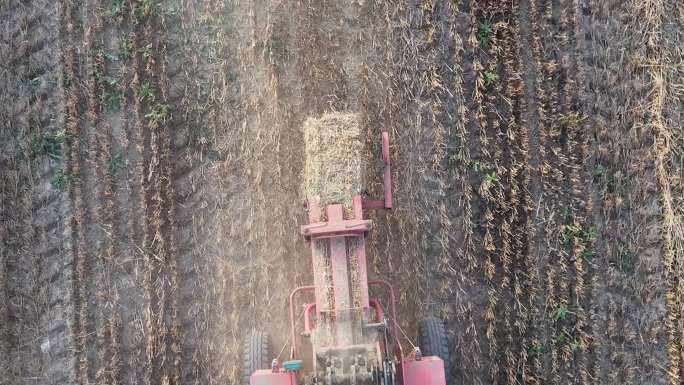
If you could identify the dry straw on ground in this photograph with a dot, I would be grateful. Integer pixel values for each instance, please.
(334, 166)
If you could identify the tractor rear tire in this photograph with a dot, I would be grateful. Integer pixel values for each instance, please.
(256, 354)
(432, 341)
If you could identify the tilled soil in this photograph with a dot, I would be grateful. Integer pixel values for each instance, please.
(151, 158)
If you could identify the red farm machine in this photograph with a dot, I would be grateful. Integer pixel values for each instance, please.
(347, 338)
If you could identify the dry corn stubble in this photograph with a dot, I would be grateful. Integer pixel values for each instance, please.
(206, 360)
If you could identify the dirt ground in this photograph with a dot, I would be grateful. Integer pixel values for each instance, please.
(151, 155)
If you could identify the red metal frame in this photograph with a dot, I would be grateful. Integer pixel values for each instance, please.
(393, 310)
(309, 307)
(293, 335)
(386, 178)
(332, 235)
(373, 303)
(361, 253)
(307, 317)
(379, 314)
(337, 228)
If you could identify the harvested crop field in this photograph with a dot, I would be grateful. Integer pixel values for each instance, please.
(152, 161)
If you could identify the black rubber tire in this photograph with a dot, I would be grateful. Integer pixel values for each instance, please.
(432, 341)
(256, 354)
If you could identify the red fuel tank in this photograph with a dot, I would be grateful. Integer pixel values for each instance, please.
(426, 371)
(268, 377)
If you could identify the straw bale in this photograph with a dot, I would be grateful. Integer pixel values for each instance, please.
(334, 165)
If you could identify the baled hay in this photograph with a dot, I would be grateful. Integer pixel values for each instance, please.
(334, 166)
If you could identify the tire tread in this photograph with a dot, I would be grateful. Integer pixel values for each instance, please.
(255, 354)
(433, 341)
